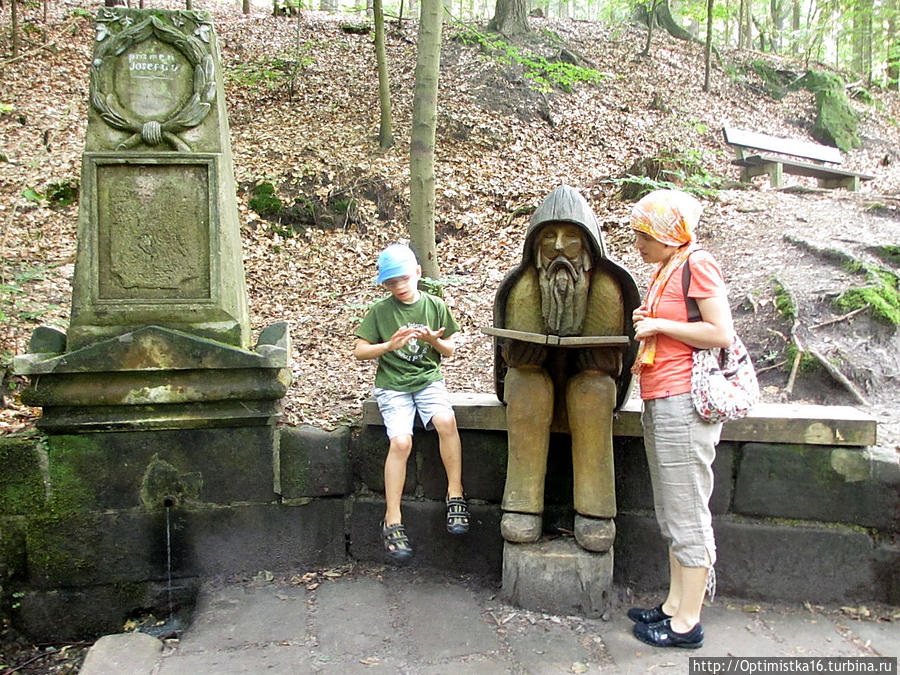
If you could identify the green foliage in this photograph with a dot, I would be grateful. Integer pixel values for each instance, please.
(14, 301)
(881, 296)
(361, 308)
(436, 286)
(33, 195)
(82, 13)
(784, 303)
(544, 74)
(271, 73)
(63, 193)
(7, 108)
(344, 206)
(264, 200)
(673, 171)
(889, 253)
(808, 362)
(356, 28)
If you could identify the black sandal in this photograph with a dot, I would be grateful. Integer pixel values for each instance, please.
(395, 541)
(457, 515)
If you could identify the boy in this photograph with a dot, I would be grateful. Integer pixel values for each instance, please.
(408, 332)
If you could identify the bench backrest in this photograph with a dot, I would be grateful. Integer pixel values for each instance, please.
(742, 138)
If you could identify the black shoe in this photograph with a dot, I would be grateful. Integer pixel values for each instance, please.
(395, 542)
(661, 635)
(651, 615)
(457, 515)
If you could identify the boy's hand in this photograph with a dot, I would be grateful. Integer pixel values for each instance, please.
(402, 336)
(430, 336)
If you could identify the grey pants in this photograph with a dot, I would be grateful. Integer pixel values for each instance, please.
(680, 449)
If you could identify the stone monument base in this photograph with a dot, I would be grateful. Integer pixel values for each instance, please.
(557, 576)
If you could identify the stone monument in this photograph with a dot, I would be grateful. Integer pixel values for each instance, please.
(563, 351)
(153, 399)
(158, 294)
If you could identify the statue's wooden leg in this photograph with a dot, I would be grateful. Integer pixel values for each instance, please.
(591, 399)
(528, 392)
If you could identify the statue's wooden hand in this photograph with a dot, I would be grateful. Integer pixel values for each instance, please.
(517, 354)
(605, 359)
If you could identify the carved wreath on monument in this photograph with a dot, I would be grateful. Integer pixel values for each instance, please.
(195, 109)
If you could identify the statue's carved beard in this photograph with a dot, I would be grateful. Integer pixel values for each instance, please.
(564, 294)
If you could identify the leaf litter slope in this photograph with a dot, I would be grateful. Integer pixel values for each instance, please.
(501, 148)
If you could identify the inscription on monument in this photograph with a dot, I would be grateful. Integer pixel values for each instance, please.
(153, 80)
(153, 231)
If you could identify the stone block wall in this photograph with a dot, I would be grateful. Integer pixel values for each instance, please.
(803, 508)
(812, 515)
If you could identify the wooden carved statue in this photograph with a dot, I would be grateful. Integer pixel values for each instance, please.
(563, 352)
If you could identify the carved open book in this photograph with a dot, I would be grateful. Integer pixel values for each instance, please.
(557, 340)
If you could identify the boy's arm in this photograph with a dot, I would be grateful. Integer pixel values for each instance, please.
(365, 350)
(445, 346)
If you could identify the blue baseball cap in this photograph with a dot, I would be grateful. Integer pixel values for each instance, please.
(396, 260)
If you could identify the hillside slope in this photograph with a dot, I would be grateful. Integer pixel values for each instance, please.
(501, 147)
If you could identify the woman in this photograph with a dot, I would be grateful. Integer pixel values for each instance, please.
(680, 446)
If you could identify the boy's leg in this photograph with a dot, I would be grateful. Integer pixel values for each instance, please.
(433, 404)
(395, 477)
(398, 412)
(451, 452)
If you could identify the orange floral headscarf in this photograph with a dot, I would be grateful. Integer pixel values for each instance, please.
(669, 216)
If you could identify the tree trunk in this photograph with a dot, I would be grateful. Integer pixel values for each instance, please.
(245, 6)
(510, 17)
(795, 27)
(709, 33)
(421, 145)
(385, 132)
(893, 46)
(661, 16)
(562, 9)
(14, 35)
(776, 16)
(862, 39)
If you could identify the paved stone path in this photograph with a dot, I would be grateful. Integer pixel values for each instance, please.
(391, 620)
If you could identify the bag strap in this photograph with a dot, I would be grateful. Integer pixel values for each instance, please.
(693, 309)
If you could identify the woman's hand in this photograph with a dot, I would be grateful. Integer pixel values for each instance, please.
(644, 324)
(647, 327)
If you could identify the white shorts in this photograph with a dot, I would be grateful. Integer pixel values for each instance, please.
(398, 408)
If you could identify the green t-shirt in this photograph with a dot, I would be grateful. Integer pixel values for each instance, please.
(417, 364)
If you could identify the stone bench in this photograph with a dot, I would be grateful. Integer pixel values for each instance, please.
(767, 422)
(803, 505)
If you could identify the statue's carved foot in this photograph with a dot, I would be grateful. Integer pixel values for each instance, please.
(520, 528)
(594, 534)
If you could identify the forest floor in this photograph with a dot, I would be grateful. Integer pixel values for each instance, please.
(303, 106)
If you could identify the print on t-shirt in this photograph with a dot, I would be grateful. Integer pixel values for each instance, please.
(415, 349)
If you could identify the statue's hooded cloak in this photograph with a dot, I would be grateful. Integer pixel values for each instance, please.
(609, 283)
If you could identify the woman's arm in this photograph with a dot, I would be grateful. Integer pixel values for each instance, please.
(716, 328)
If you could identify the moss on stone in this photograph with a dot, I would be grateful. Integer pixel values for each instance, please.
(72, 462)
(774, 82)
(836, 124)
(53, 541)
(881, 295)
(21, 481)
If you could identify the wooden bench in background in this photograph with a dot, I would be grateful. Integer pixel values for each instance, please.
(800, 158)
